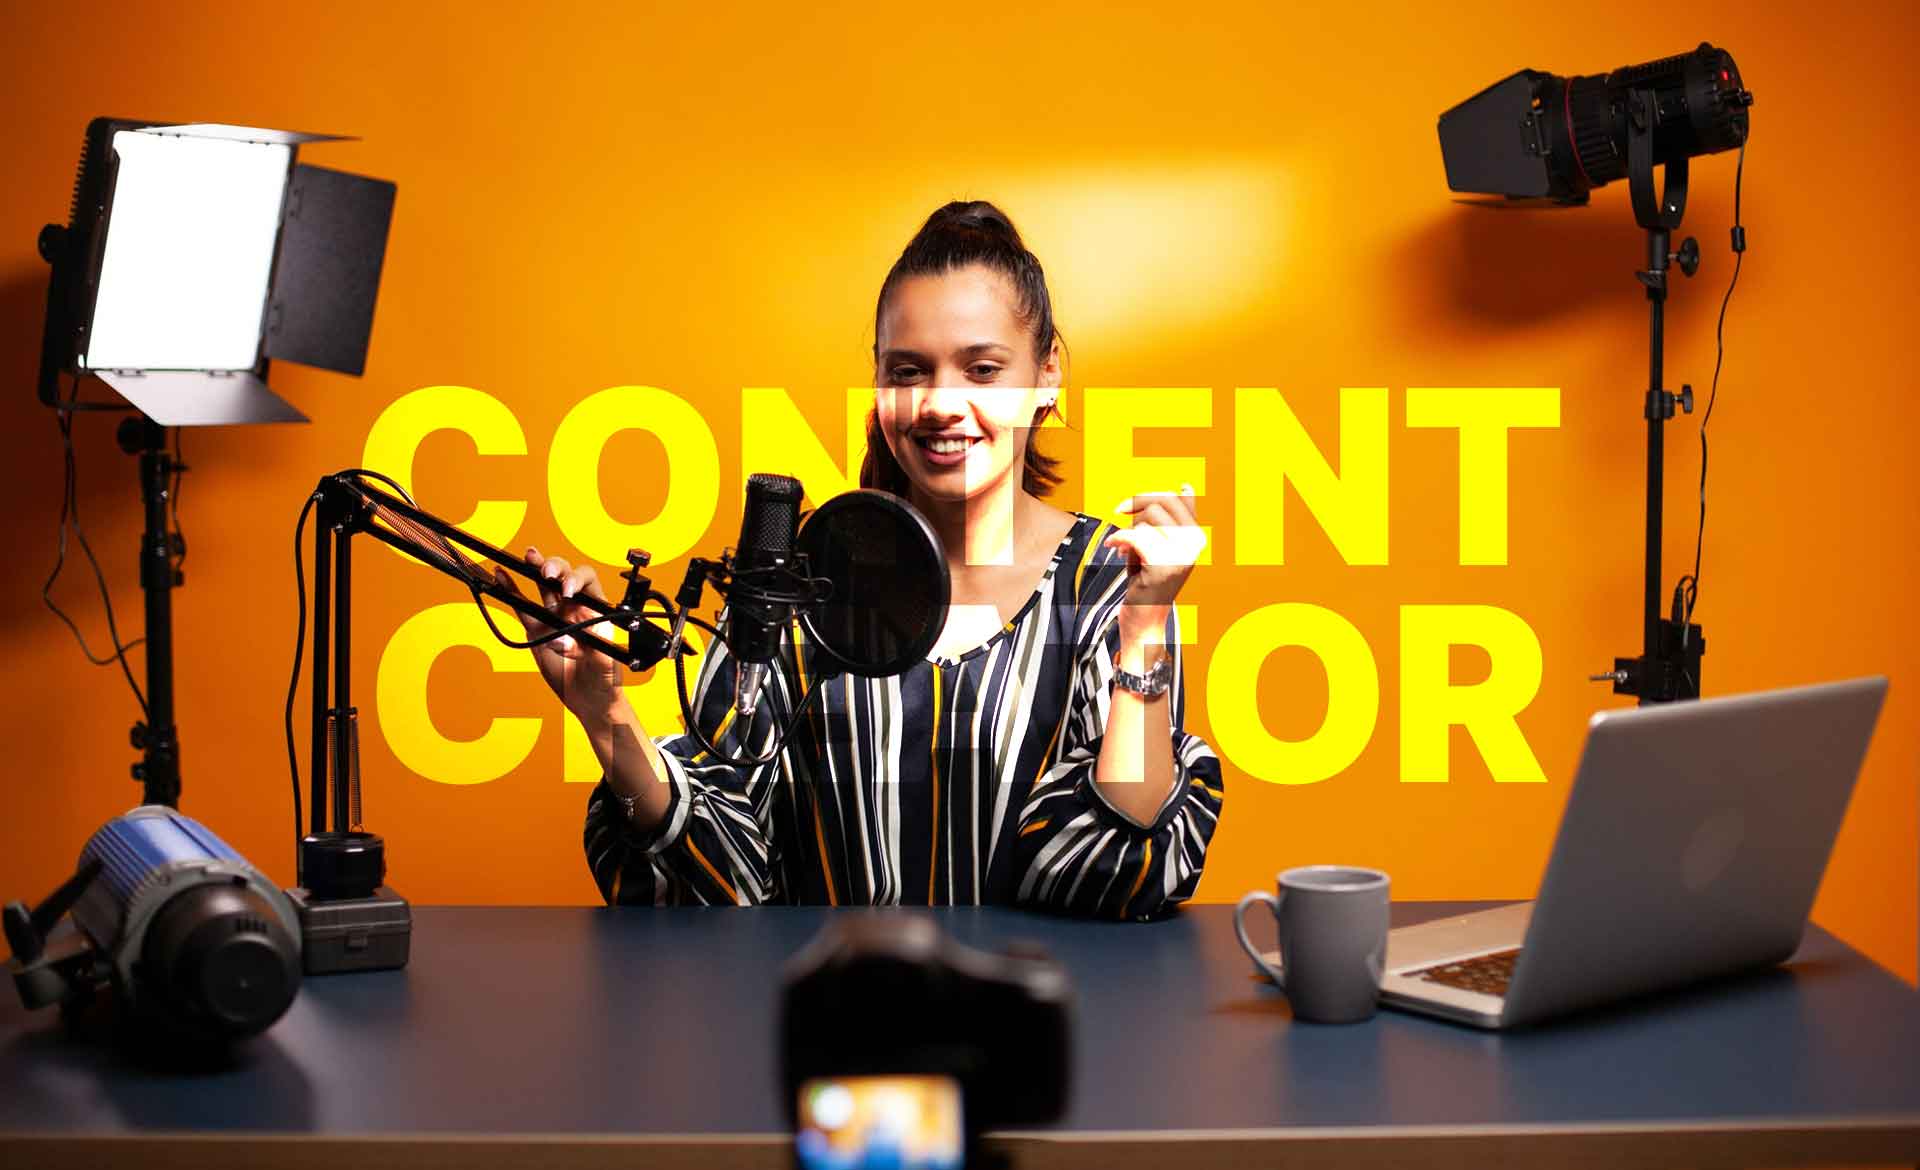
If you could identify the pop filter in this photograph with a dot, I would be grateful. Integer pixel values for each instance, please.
(890, 584)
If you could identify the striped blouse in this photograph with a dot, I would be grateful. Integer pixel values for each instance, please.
(961, 781)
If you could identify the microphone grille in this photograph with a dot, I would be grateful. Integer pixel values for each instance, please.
(772, 513)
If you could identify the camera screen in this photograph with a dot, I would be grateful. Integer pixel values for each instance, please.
(899, 1122)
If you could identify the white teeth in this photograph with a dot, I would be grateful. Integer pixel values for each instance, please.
(948, 446)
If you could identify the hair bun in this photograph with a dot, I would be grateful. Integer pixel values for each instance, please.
(976, 215)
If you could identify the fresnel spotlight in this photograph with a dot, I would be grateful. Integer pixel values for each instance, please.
(1541, 137)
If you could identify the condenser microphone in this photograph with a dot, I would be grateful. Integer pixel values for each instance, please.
(754, 618)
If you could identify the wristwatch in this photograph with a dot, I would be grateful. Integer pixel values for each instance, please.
(1149, 685)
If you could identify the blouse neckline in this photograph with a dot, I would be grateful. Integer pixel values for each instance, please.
(1080, 523)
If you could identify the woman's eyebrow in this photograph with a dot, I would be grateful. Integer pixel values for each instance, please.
(978, 347)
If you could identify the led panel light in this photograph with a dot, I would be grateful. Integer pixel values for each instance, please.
(188, 254)
(197, 255)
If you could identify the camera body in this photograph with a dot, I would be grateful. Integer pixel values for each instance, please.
(888, 994)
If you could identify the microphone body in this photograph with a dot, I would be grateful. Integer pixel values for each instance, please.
(754, 619)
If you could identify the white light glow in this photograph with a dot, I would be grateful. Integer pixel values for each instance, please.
(189, 251)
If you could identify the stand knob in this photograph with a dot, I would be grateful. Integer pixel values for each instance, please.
(1686, 399)
(1688, 257)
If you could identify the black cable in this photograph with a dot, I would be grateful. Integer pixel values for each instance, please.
(562, 631)
(70, 517)
(1692, 581)
(700, 737)
(300, 636)
(299, 648)
(386, 479)
(709, 627)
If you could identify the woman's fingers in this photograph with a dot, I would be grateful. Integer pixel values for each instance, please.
(552, 571)
(1165, 507)
(507, 580)
(552, 574)
(1148, 544)
(1165, 533)
(560, 583)
(1160, 511)
(1153, 511)
(581, 580)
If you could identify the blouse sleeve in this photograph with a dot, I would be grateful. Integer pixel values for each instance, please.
(1080, 854)
(712, 845)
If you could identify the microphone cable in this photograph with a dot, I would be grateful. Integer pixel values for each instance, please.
(700, 737)
(300, 638)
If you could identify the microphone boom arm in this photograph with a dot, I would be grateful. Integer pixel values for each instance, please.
(360, 507)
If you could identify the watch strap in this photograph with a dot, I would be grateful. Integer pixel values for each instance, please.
(1157, 680)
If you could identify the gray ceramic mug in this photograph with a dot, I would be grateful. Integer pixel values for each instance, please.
(1333, 940)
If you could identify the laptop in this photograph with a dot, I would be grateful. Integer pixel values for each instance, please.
(1691, 847)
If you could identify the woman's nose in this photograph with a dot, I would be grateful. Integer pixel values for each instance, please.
(944, 402)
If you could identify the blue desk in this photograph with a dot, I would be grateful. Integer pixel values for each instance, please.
(588, 1037)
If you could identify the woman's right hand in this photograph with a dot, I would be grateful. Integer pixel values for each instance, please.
(587, 681)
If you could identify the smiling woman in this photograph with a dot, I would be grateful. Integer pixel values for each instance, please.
(1038, 755)
(966, 275)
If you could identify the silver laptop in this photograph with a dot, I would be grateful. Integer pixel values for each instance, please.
(1691, 847)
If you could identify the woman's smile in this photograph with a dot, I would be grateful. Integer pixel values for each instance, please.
(945, 449)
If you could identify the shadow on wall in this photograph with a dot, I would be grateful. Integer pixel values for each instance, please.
(1487, 269)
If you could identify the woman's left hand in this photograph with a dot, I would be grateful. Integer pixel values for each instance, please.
(1161, 549)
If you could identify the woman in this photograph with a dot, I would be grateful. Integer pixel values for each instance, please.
(1014, 764)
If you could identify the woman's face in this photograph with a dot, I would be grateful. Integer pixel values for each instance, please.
(957, 385)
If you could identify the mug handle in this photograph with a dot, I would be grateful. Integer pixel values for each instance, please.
(1246, 944)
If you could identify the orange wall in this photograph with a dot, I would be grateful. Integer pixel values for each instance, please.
(1245, 195)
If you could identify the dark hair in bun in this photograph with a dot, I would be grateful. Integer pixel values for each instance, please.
(959, 234)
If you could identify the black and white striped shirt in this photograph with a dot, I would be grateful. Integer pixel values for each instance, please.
(961, 781)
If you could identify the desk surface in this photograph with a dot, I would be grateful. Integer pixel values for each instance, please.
(573, 1033)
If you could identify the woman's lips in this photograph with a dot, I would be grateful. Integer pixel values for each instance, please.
(947, 458)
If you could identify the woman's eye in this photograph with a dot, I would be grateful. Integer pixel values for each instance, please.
(983, 370)
(904, 373)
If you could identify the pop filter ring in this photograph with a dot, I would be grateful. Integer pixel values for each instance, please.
(839, 659)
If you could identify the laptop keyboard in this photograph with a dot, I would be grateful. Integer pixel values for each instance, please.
(1486, 974)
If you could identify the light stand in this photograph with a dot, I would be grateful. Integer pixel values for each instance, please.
(156, 737)
(1668, 667)
(194, 256)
